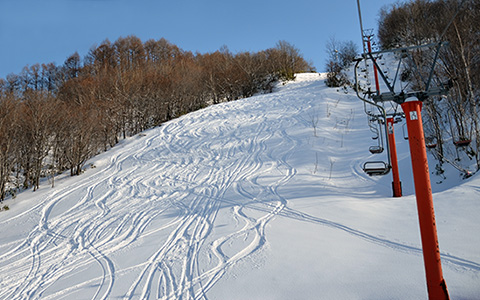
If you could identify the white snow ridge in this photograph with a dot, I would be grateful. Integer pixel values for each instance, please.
(261, 198)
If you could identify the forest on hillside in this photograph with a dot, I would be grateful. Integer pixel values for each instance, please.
(453, 120)
(54, 118)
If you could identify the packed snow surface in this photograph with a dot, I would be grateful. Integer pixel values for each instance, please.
(261, 198)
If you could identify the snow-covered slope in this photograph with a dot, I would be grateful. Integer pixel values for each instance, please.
(262, 198)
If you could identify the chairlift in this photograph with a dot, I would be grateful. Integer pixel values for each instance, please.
(375, 123)
(374, 129)
(462, 142)
(376, 168)
(430, 142)
(375, 149)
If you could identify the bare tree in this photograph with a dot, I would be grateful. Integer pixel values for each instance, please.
(340, 56)
(420, 22)
(8, 128)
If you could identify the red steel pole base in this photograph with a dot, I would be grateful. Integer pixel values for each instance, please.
(396, 184)
(437, 288)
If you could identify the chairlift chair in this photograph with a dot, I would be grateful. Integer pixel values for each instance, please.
(375, 149)
(377, 133)
(462, 143)
(430, 142)
(372, 126)
(376, 168)
(397, 118)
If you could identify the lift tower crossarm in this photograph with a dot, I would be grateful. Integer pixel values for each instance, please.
(403, 49)
(400, 97)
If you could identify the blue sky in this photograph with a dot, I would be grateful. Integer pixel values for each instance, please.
(33, 31)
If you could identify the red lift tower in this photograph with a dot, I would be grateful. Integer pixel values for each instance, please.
(411, 102)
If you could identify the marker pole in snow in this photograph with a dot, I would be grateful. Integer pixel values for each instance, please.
(396, 184)
(437, 288)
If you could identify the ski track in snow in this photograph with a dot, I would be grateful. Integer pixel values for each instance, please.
(174, 171)
(167, 191)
